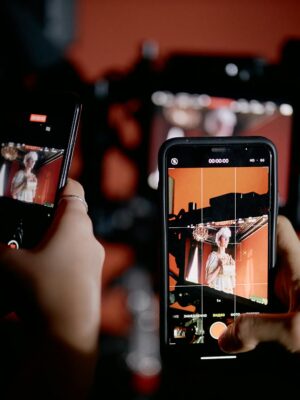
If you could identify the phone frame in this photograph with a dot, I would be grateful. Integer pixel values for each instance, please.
(62, 111)
(192, 352)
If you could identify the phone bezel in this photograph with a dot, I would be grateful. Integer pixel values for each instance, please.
(192, 352)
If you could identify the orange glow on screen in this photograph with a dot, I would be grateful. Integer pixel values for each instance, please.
(38, 118)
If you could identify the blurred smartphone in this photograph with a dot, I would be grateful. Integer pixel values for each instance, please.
(37, 140)
(219, 208)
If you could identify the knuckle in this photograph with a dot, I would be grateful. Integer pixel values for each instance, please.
(245, 332)
(74, 186)
(242, 327)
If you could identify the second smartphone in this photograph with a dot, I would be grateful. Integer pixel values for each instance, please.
(219, 208)
(37, 134)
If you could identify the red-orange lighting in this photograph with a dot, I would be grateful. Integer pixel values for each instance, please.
(37, 118)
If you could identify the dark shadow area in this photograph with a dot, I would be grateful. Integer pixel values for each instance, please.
(120, 132)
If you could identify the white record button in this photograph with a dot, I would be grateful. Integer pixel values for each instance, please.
(13, 244)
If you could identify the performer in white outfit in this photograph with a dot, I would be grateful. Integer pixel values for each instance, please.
(24, 183)
(220, 266)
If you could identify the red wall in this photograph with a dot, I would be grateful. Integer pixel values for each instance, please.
(48, 176)
(218, 181)
(109, 32)
(251, 262)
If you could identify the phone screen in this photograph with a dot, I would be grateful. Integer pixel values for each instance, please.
(36, 144)
(30, 173)
(219, 231)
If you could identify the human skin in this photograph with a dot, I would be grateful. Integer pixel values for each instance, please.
(54, 290)
(284, 328)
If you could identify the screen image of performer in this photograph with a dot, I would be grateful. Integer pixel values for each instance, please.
(24, 183)
(220, 266)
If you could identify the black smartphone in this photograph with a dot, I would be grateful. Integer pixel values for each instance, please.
(219, 208)
(37, 134)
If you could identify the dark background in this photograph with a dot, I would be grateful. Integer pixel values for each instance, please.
(114, 54)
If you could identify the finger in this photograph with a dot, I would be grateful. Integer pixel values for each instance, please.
(115, 316)
(70, 206)
(249, 330)
(72, 187)
(119, 257)
(287, 284)
(73, 193)
(71, 213)
(288, 245)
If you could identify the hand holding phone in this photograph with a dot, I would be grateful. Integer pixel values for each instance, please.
(37, 141)
(250, 330)
(219, 208)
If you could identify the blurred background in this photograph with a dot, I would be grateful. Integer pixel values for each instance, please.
(146, 71)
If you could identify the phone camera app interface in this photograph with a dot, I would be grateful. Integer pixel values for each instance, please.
(218, 235)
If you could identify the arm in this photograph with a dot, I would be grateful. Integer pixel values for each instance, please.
(55, 290)
(249, 330)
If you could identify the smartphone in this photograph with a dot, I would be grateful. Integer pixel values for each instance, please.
(37, 138)
(219, 208)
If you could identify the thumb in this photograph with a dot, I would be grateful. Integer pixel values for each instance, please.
(250, 330)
